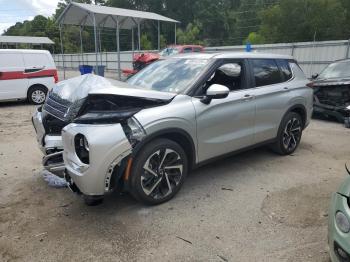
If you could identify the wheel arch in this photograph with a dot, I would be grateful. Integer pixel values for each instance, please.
(177, 135)
(35, 85)
(300, 110)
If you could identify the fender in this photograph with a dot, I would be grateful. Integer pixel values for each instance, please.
(170, 132)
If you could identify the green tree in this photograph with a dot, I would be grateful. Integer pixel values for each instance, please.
(299, 20)
(254, 38)
(146, 44)
(190, 35)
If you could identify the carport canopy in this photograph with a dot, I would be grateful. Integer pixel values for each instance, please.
(78, 14)
(108, 17)
(6, 39)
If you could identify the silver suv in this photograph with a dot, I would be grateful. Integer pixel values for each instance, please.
(181, 112)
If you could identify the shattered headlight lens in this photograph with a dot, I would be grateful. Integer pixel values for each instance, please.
(342, 222)
(134, 131)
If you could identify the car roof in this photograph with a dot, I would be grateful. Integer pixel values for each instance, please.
(227, 55)
(31, 51)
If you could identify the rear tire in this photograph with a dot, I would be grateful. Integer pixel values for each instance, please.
(37, 94)
(158, 172)
(289, 134)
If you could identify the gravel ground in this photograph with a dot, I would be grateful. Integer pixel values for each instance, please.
(255, 206)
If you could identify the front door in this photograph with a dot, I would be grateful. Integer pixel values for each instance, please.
(227, 124)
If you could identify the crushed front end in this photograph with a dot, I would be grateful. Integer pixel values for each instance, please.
(333, 99)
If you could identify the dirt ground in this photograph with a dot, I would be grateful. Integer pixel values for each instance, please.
(255, 206)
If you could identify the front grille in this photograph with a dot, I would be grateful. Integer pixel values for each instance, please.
(56, 107)
(53, 125)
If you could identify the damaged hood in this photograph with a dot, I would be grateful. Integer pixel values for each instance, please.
(80, 87)
(67, 97)
(332, 81)
(77, 88)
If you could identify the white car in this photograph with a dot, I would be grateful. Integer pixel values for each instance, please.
(26, 74)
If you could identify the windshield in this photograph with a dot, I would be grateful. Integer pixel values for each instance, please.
(169, 51)
(336, 70)
(170, 75)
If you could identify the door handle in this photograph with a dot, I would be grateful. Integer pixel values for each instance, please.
(286, 89)
(248, 97)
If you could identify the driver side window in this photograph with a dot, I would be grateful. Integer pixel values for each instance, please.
(230, 74)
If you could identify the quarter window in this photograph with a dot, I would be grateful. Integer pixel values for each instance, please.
(266, 72)
(285, 69)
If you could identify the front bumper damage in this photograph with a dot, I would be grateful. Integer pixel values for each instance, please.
(106, 155)
(47, 143)
(50, 145)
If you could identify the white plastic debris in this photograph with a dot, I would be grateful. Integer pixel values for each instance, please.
(53, 180)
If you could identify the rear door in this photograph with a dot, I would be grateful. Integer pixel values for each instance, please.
(13, 84)
(272, 95)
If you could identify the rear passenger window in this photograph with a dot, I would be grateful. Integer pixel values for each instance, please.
(197, 49)
(266, 72)
(285, 69)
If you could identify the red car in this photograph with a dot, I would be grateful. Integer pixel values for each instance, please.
(140, 61)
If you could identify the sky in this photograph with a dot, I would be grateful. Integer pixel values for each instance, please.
(12, 11)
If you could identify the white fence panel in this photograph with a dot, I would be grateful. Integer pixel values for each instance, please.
(312, 56)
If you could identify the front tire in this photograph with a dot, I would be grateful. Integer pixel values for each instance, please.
(37, 94)
(158, 172)
(289, 134)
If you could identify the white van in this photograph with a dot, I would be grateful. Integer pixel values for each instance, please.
(26, 74)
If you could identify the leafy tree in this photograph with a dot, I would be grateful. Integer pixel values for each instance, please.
(254, 38)
(190, 35)
(299, 20)
(146, 44)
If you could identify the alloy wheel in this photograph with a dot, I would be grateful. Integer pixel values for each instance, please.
(162, 173)
(292, 134)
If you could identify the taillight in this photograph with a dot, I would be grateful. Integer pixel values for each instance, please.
(55, 76)
(311, 84)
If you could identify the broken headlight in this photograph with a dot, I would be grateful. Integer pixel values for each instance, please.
(133, 131)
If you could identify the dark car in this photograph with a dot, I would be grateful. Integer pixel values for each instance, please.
(332, 91)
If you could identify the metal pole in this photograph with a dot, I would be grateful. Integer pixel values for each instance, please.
(62, 52)
(175, 34)
(95, 36)
(313, 53)
(118, 49)
(81, 45)
(132, 41)
(139, 34)
(100, 44)
(158, 35)
(348, 50)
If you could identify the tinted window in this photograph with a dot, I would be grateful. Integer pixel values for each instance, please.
(187, 50)
(197, 49)
(266, 72)
(285, 69)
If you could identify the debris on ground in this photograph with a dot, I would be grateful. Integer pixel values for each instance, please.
(53, 180)
(226, 189)
(184, 240)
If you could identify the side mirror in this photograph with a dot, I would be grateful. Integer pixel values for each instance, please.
(314, 76)
(231, 70)
(215, 91)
